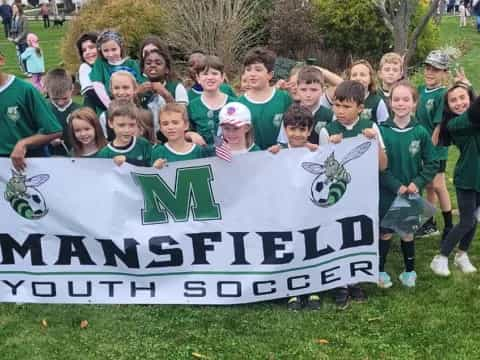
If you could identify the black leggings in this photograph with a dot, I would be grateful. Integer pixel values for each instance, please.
(468, 201)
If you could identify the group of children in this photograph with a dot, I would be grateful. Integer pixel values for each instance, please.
(141, 113)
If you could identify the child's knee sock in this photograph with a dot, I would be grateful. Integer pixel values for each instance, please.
(384, 247)
(408, 250)
(447, 218)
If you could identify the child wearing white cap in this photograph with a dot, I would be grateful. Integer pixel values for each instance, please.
(430, 113)
(235, 121)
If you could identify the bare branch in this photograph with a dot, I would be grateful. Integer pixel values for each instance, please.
(386, 17)
(419, 29)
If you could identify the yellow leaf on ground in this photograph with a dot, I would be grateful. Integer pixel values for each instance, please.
(322, 341)
(199, 356)
(44, 323)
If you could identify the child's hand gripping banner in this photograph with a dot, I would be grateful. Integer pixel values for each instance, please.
(199, 232)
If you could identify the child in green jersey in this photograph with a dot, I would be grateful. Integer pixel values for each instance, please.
(236, 123)
(85, 133)
(123, 88)
(87, 51)
(59, 86)
(297, 127)
(162, 85)
(411, 165)
(173, 125)
(111, 58)
(26, 121)
(266, 104)
(203, 111)
(429, 114)
(375, 108)
(348, 106)
(389, 72)
(460, 126)
(125, 147)
(196, 62)
(310, 83)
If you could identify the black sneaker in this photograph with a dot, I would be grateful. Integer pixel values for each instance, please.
(294, 303)
(341, 298)
(357, 293)
(313, 302)
(427, 230)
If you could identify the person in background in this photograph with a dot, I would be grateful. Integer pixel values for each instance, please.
(44, 11)
(19, 32)
(33, 57)
(6, 15)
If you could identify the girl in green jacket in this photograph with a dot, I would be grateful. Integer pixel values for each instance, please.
(461, 127)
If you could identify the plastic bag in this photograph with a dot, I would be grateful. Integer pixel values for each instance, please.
(407, 214)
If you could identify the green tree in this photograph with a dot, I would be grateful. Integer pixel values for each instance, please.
(406, 28)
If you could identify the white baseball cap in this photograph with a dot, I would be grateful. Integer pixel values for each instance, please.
(236, 114)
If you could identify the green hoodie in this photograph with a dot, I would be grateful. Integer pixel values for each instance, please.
(465, 135)
(411, 158)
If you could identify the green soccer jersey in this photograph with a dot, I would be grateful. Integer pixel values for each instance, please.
(165, 152)
(335, 127)
(267, 116)
(430, 113)
(204, 120)
(62, 116)
(138, 152)
(467, 138)
(385, 95)
(375, 108)
(102, 71)
(411, 158)
(322, 116)
(195, 91)
(23, 113)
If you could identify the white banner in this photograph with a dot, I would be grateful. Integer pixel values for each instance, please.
(198, 232)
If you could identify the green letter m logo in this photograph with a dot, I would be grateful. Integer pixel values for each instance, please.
(190, 184)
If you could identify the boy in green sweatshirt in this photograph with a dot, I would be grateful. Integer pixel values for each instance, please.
(347, 106)
(429, 114)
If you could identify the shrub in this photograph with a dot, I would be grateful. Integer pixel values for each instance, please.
(355, 29)
(292, 29)
(134, 20)
(226, 28)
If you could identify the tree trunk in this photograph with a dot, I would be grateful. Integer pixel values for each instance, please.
(419, 30)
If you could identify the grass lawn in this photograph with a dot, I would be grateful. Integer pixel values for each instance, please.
(49, 42)
(436, 320)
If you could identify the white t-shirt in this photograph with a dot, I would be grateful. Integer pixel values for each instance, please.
(84, 78)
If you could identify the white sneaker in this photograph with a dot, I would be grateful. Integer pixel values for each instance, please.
(464, 264)
(439, 265)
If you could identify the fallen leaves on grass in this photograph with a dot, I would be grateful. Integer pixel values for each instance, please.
(199, 356)
(83, 324)
(44, 323)
(321, 341)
